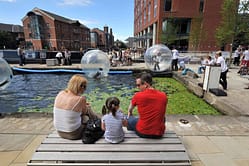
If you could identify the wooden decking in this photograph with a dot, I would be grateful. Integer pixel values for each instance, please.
(133, 151)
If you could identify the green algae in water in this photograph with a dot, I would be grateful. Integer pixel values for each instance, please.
(180, 100)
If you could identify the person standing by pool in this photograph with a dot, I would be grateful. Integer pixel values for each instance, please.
(59, 56)
(113, 121)
(224, 69)
(21, 54)
(174, 62)
(67, 54)
(151, 105)
(71, 111)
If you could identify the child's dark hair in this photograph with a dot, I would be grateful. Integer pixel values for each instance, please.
(110, 104)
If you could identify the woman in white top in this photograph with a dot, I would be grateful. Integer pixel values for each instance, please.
(113, 120)
(70, 109)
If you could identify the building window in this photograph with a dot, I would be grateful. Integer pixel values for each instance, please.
(140, 22)
(155, 8)
(184, 27)
(144, 17)
(167, 5)
(164, 26)
(201, 6)
(149, 11)
(34, 26)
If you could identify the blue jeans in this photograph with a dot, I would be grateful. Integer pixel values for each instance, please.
(132, 122)
(200, 68)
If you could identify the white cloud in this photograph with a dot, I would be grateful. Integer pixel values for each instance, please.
(76, 2)
(7, 0)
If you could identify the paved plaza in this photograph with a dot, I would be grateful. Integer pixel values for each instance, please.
(210, 140)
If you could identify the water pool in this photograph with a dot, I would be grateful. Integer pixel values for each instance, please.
(36, 93)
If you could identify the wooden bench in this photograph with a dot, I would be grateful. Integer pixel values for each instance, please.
(168, 150)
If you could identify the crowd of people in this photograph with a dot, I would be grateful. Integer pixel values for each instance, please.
(240, 58)
(64, 57)
(218, 60)
(120, 58)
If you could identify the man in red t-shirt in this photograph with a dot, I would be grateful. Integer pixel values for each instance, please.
(151, 105)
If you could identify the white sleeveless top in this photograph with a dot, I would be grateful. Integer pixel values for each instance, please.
(67, 120)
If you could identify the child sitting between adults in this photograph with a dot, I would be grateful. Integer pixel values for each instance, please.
(113, 121)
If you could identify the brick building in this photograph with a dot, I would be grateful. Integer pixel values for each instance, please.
(45, 30)
(177, 22)
(102, 39)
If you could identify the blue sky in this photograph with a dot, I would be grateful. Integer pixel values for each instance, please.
(116, 14)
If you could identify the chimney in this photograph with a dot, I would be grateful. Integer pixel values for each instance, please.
(106, 29)
(111, 31)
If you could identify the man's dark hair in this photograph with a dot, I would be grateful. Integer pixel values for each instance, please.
(146, 77)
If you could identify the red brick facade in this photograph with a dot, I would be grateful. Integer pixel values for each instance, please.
(45, 30)
(102, 39)
(151, 15)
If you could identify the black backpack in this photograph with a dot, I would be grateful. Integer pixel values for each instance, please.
(92, 132)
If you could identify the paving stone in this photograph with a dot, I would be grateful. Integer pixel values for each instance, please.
(242, 162)
(26, 154)
(15, 142)
(200, 144)
(8, 157)
(242, 140)
(231, 147)
(216, 159)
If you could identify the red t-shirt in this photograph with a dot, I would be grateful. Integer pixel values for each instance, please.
(151, 105)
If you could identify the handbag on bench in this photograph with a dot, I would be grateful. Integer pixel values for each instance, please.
(92, 132)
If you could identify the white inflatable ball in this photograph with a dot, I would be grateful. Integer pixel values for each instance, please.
(6, 74)
(95, 64)
(158, 58)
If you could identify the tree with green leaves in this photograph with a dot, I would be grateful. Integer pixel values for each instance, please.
(169, 32)
(242, 36)
(197, 33)
(226, 31)
(7, 40)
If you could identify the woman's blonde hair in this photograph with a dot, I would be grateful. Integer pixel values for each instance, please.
(76, 84)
